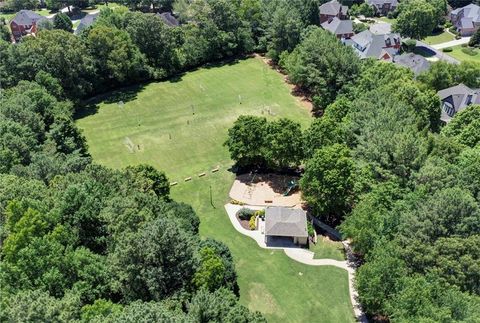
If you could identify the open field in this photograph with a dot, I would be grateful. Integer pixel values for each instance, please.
(463, 57)
(179, 126)
(439, 38)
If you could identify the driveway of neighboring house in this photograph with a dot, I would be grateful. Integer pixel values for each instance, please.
(455, 42)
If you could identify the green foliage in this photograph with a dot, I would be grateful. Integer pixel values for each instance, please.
(62, 21)
(417, 19)
(322, 66)
(475, 40)
(117, 58)
(252, 222)
(4, 31)
(211, 271)
(442, 75)
(283, 140)
(363, 9)
(328, 182)
(149, 178)
(465, 127)
(17, 5)
(245, 213)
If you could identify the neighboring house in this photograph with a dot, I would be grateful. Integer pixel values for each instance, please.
(383, 7)
(414, 62)
(169, 19)
(456, 98)
(25, 23)
(367, 44)
(331, 10)
(86, 22)
(285, 223)
(340, 28)
(466, 19)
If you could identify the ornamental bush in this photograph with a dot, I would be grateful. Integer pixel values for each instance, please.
(245, 213)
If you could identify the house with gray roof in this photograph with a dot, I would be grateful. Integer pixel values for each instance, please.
(416, 63)
(169, 19)
(379, 46)
(282, 222)
(340, 28)
(466, 19)
(25, 23)
(455, 99)
(86, 22)
(331, 10)
(383, 7)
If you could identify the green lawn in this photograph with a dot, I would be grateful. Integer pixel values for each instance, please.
(111, 5)
(325, 248)
(461, 56)
(439, 38)
(282, 289)
(386, 19)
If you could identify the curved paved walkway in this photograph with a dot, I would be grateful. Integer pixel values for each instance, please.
(303, 256)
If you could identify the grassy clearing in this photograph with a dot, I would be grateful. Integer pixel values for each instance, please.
(110, 5)
(439, 38)
(270, 282)
(326, 248)
(463, 57)
(386, 19)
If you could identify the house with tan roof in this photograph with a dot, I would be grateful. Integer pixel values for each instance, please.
(466, 19)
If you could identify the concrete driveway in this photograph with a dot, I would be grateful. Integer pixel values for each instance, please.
(455, 42)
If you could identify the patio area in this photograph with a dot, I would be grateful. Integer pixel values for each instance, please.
(265, 190)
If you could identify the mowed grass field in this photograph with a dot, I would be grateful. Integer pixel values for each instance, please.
(179, 126)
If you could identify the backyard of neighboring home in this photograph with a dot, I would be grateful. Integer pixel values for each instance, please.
(179, 126)
(465, 54)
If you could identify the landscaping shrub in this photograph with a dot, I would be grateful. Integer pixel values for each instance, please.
(447, 50)
(310, 229)
(409, 45)
(235, 202)
(252, 223)
(260, 213)
(469, 51)
(245, 213)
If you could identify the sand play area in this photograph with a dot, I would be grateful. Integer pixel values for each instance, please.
(265, 189)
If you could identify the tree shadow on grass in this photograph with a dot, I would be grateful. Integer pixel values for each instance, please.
(120, 96)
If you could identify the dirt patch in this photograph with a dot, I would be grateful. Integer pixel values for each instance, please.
(302, 97)
(261, 300)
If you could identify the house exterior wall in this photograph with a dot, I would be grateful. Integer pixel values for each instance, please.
(467, 31)
(300, 240)
(21, 30)
(325, 17)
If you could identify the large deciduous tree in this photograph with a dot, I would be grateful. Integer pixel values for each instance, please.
(417, 19)
(327, 183)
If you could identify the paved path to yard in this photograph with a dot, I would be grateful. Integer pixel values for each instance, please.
(455, 42)
(301, 255)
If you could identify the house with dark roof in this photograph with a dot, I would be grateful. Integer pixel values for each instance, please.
(169, 19)
(340, 28)
(331, 10)
(383, 7)
(86, 22)
(416, 63)
(25, 23)
(286, 223)
(466, 19)
(380, 46)
(456, 98)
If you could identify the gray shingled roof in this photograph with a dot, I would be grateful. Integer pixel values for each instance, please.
(379, 3)
(470, 14)
(332, 8)
(414, 62)
(27, 17)
(457, 97)
(285, 222)
(338, 27)
(367, 44)
(86, 21)
(169, 19)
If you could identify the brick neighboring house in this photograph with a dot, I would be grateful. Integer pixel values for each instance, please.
(367, 44)
(340, 28)
(332, 9)
(456, 98)
(25, 23)
(466, 19)
(383, 7)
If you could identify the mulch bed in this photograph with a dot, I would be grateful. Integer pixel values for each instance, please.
(244, 223)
